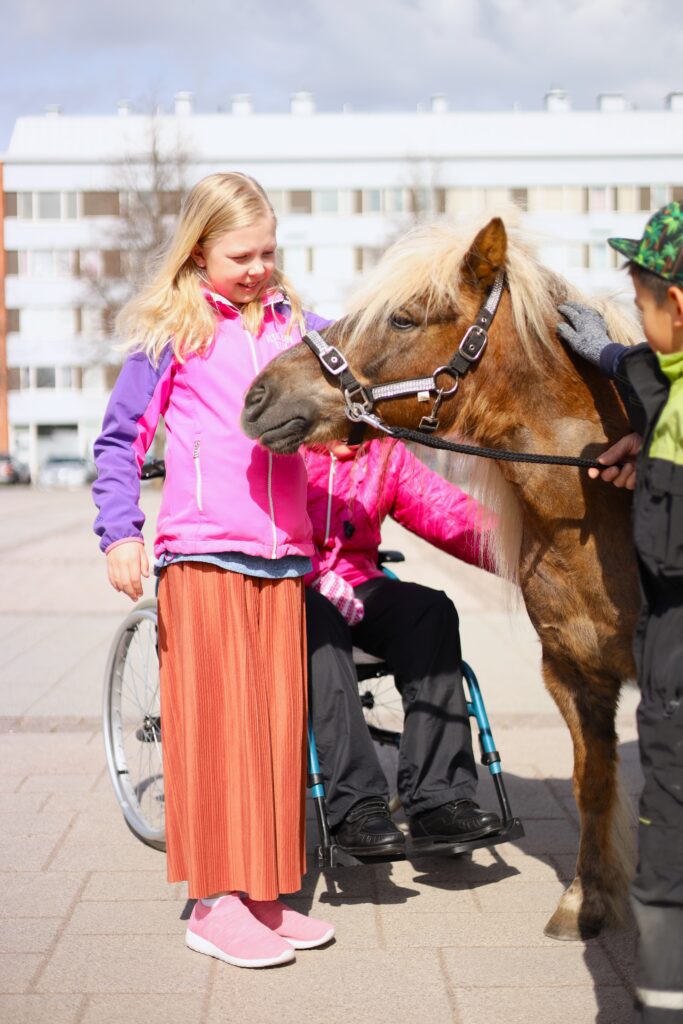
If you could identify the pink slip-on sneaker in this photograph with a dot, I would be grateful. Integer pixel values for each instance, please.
(300, 931)
(228, 931)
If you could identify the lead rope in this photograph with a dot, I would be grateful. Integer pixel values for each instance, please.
(430, 441)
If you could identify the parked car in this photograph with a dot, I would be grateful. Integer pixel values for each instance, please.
(66, 471)
(12, 471)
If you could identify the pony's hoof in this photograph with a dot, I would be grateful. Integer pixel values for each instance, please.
(566, 927)
(573, 920)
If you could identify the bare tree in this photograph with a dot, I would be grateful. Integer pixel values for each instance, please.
(150, 184)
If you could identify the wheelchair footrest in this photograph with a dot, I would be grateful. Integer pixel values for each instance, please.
(334, 856)
(512, 829)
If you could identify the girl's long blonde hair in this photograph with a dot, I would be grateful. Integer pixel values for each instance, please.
(171, 307)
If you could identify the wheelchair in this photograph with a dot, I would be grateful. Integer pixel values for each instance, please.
(132, 731)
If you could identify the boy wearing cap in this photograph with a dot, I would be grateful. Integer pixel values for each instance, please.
(650, 379)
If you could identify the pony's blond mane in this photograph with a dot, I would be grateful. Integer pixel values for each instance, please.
(425, 266)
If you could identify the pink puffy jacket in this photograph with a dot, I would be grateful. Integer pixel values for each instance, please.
(384, 478)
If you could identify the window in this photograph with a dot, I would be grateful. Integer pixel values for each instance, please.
(660, 195)
(393, 200)
(49, 206)
(298, 260)
(300, 202)
(372, 200)
(676, 194)
(100, 204)
(42, 263)
(365, 258)
(111, 263)
(11, 262)
(550, 197)
(439, 200)
(10, 204)
(14, 378)
(644, 198)
(625, 200)
(169, 203)
(520, 197)
(326, 201)
(69, 377)
(25, 205)
(277, 200)
(71, 205)
(91, 263)
(356, 201)
(13, 320)
(598, 256)
(45, 376)
(597, 200)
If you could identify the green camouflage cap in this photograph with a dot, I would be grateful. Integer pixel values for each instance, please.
(660, 250)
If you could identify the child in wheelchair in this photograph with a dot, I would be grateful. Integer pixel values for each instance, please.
(350, 601)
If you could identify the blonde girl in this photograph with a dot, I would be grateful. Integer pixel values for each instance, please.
(233, 541)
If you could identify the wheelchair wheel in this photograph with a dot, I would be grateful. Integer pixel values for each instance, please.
(383, 713)
(132, 725)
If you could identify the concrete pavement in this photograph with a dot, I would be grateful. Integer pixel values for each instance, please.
(91, 932)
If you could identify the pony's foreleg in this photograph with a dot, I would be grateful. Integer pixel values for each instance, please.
(597, 896)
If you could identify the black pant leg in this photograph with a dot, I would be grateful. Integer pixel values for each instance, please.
(415, 629)
(658, 887)
(348, 760)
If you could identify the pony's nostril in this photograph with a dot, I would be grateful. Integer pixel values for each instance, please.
(255, 400)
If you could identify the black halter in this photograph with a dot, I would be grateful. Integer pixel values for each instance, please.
(360, 399)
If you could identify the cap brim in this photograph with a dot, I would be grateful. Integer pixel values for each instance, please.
(628, 247)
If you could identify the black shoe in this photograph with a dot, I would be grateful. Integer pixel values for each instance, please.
(456, 821)
(368, 831)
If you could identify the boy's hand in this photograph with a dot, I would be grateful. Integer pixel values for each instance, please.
(620, 461)
(126, 563)
(584, 331)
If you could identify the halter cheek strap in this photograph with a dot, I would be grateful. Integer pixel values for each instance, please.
(360, 399)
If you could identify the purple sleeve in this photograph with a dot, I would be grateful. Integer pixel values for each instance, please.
(139, 397)
(314, 322)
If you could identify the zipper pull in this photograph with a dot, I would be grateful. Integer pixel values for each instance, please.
(195, 450)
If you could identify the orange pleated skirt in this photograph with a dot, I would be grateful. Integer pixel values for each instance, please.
(232, 654)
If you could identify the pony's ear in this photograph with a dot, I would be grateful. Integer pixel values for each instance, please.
(486, 255)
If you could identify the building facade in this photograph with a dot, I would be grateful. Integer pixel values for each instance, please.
(343, 185)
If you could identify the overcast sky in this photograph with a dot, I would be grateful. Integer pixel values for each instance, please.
(372, 54)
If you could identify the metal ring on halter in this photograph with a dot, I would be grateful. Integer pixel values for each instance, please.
(445, 392)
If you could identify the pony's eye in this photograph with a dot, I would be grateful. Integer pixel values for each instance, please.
(401, 322)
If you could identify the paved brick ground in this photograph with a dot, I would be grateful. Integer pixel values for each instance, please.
(91, 932)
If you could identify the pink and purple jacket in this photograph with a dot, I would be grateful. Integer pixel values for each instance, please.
(223, 492)
(385, 478)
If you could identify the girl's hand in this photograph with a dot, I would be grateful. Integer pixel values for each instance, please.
(620, 462)
(126, 563)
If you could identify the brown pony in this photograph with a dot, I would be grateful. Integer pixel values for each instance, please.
(565, 538)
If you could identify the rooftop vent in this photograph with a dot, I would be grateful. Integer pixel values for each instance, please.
(557, 101)
(674, 101)
(612, 102)
(183, 103)
(123, 108)
(302, 103)
(439, 103)
(53, 110)
(241, 104)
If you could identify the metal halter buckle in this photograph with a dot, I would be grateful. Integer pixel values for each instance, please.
(355, 409)
(473, 343)
(333, 361)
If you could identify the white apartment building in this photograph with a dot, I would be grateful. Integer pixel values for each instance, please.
(343, 185)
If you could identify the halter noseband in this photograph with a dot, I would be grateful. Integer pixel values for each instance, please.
(360, 399)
